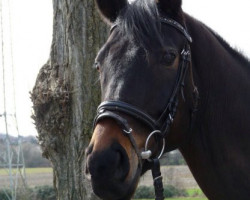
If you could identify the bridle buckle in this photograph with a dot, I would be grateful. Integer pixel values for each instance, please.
(171, 118)
(128, 132)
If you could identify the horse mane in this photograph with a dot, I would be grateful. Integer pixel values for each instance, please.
(139, 21)
(234, 52)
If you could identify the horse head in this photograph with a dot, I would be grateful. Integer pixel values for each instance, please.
(143, 67)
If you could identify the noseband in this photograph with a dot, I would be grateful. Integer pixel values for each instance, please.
(160, 127)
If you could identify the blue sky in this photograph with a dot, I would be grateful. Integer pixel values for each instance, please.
(32, 33)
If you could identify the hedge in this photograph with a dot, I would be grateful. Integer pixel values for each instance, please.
(147, 192)
(36, 193)
(48, 193)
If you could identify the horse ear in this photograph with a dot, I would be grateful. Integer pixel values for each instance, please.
(110, 8)
(171, 7)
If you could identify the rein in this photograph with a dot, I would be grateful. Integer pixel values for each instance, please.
(160, 127)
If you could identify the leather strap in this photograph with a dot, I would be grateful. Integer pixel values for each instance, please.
(119, 106)
(123, 123)
(158, 185)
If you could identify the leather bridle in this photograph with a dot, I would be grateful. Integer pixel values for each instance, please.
(160, 127)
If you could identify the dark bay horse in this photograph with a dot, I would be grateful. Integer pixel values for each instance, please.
(198, 89)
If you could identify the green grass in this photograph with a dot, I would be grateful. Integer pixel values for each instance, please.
(188, 198)
(29, 171)
(194, 192)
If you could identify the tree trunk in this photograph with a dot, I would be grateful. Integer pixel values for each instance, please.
(66, 95)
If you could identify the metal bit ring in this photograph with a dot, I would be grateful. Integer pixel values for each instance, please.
(163, 144)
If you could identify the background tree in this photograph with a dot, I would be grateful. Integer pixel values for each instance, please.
(66, 94)
(32, 156)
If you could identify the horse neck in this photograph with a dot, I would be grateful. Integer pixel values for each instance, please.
(218, 144)
(222, 77)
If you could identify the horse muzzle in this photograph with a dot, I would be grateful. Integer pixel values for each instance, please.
(108, 172)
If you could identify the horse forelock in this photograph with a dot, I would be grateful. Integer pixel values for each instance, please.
(139, 21)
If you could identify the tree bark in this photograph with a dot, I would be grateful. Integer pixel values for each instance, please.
(66, 94)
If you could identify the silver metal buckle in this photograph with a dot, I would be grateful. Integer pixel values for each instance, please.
(128, 132)
(170, 117)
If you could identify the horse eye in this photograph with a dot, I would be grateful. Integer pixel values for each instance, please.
(168, 58)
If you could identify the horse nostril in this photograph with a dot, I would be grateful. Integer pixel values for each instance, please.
(111, 164)
(122, 165)
(89, 150)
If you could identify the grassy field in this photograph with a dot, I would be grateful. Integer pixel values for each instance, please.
(34, 177)
(193, 194)
(188, 198)
(29, 171)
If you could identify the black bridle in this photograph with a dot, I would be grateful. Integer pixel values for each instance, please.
(160, 126)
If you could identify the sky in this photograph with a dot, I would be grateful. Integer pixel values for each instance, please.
(30, 36)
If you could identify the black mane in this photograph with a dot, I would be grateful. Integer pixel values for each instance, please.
(234, 52)
(139, 21)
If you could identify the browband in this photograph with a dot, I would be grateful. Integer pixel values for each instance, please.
(170, 22)
(178, 26)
